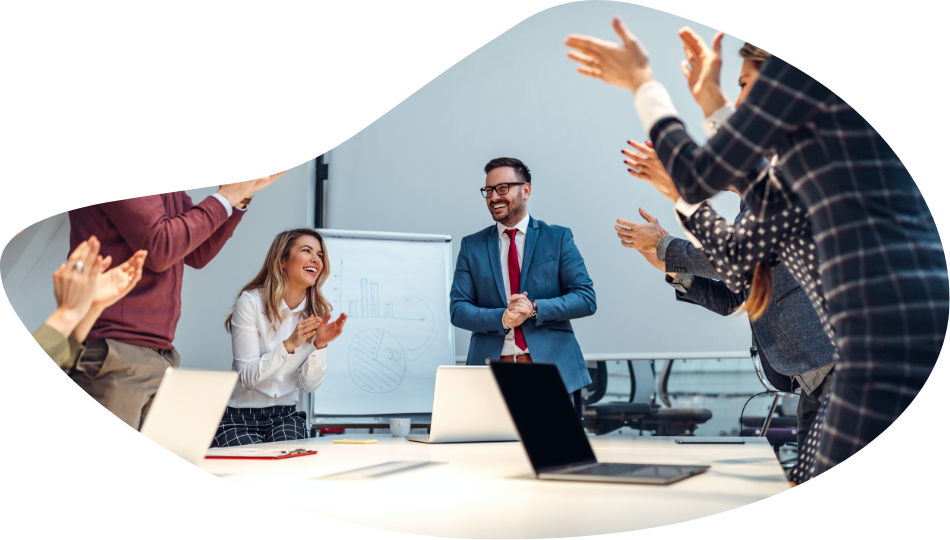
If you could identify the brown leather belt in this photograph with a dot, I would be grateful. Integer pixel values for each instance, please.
(517, 358)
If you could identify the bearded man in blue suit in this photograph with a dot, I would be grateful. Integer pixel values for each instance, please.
(519, 282)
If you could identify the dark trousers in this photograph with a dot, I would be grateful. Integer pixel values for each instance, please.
(808, 405)
(250, 425)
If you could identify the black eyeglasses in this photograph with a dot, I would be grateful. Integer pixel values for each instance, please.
(501, 189)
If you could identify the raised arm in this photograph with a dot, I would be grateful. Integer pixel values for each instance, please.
(713, 295)
(782, 100)
(735, 251)
(207, 250)
(578, 298)
(144, 225)
(682, 256)
(463, 307)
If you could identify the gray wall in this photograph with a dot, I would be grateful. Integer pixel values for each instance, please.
(418, 168)
(208, 295)
(27, 267)
(30, 258)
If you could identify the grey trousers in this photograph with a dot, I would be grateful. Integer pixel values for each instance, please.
(122, 377)
(808, 405)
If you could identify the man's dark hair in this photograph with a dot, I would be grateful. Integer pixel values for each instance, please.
(520, 168)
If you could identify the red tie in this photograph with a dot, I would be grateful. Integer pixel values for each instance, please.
(514, 280)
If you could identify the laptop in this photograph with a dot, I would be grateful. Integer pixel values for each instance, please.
(467, 407)
(554, 438)
(187, 410)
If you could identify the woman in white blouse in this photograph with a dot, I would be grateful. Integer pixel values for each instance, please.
(279, 332)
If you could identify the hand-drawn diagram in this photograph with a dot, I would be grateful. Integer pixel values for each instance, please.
(376, 361)
(396, 295)
(434, 317)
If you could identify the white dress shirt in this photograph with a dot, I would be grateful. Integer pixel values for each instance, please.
(503, 243)
(267, 374)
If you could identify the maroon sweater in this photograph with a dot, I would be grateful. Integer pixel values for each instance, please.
(175, 232)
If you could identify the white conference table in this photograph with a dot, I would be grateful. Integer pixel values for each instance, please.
(488, 490)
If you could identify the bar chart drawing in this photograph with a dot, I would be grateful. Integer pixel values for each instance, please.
(368, 304)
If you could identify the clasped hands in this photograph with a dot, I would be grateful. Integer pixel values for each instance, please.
(518, 310)
(311, 326)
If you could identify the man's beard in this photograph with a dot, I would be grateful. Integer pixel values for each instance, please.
(513, 211)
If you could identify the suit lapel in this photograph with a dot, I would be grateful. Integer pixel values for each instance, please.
(531, 239)
(494, 258)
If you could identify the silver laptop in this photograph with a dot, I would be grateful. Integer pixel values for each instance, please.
(468, 407)
(187, 409)
(553, 437)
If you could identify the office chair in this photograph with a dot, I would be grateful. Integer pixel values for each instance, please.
(779, 430)
(642, 414)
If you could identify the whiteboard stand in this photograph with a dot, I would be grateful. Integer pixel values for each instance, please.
(394, 287)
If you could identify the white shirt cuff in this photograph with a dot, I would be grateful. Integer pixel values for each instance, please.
(224, 202)
(718, 118)
(653, 104)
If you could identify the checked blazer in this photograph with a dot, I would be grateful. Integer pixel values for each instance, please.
(883, 269)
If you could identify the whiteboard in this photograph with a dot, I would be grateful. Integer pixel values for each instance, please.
(420, 166)
(394, 289)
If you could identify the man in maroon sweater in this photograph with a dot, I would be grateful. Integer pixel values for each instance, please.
(130, 345)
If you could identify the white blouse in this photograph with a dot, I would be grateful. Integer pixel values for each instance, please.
(267, 374)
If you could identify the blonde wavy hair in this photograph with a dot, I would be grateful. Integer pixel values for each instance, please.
(272, 280)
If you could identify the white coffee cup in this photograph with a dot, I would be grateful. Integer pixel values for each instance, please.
(399, 427)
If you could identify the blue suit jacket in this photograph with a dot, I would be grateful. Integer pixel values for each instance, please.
(553, 273)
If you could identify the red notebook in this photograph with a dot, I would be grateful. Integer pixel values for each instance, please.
(256, 453)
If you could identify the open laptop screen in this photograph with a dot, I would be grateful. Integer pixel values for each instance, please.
(541, 409)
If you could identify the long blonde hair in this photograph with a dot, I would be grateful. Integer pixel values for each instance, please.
(272, 281)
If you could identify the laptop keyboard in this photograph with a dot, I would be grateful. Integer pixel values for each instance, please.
(607, 469)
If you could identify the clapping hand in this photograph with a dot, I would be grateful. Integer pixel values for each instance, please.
(262, 183)
(239, 193)
(641, 236)
(111, 286)
(651, 258)
(625, 64)
(304, 331)
(117, 282)
(327, 332)
(645, 165)
(702, 68)
(518, 310)
(74, 285)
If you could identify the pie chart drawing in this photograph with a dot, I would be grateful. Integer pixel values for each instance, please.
(376, 361)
